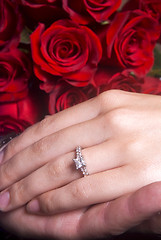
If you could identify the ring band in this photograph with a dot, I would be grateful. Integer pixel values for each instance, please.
(79, 162)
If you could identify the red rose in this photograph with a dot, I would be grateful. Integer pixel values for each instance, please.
(64, 96)
(151, 85)
(15, 72)
(130, 41)
(103, 74)
(45, 11)
(86, 11)
(152, 7)
(9, 124)
(126, 81)
(10, 25)
(18, 115)
(67, 50)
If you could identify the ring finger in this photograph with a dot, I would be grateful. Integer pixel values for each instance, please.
(48, 148)
(59, 172)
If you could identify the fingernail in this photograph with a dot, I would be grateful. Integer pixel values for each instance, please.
(1, 156)
(4, 200)
(33, 206)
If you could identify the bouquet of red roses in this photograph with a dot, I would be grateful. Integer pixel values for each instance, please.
(57, 53)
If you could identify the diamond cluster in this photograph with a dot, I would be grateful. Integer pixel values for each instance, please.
(79, 161)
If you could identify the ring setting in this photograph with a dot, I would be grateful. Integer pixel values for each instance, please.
(79, 162)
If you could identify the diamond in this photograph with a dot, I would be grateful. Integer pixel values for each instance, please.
(78, 163)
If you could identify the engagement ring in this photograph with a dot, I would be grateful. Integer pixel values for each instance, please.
(79, 162)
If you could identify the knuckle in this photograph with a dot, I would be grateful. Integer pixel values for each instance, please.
(44, 125)
(46, 203)
(112, 118)
(5, 175)
(41, 146)
(18, 193)
(117, 118)
(110, 97)
(10, 149)
(134, 147)
(80, 191)
(55, 169)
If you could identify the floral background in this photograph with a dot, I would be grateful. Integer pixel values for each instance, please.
(57, 53)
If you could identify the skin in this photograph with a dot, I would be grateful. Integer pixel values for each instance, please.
(120, 135)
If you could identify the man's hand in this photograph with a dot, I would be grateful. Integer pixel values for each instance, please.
(139, 210)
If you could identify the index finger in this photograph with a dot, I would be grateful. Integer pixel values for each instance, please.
(52, 124)
(79, 113)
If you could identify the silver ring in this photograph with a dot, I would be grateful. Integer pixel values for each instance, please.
(79, 162)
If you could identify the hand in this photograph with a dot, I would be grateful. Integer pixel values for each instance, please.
(137, 210)
(120, 135)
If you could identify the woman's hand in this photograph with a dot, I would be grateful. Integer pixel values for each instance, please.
(120, 134)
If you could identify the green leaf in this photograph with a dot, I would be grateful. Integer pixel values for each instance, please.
(25, 36)
(105, 22)
(156, 70)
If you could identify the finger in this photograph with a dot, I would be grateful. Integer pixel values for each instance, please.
(100, 220)
(136, 209)
(51, 124)
(74, 115)
(108, 185)
(60, 172)
(93, 189)
(4, 140)
(48, 148)
(79, 113)
(63, 226)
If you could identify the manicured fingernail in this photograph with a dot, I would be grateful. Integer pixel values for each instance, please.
(33, 206)
(4, 200)
(1, 156)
